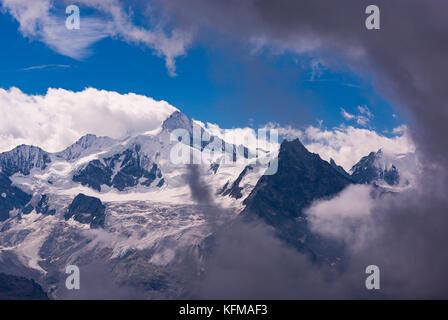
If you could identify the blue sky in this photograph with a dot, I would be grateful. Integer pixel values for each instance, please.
(217, 81)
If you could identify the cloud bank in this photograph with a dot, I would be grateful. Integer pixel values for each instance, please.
(346, 145)
(60, 117)
(57, 119)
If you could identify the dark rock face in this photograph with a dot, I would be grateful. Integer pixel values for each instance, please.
(94, 175)
(339, 169)
(223, 189)
(279, 199)
(302, 177)
(391, 176)
(235, 190)
(87, 210)
(161, 182)
(214, 167)
(23, 159)
(18, 288)
(365, 170)
(10, 197)
(43, 206)
(134, 168)
(28, 209)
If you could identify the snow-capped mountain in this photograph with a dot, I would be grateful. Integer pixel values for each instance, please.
(125, 208)
(104, 201)
(86, 145)
(389, 171)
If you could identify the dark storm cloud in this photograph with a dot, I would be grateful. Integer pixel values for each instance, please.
(407, 62)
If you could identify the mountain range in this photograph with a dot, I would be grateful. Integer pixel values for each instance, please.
(121, 209)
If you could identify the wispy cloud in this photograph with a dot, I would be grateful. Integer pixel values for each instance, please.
(39, 20)
(362, 119)
(346, 115)
(365, 111)
(46, 66)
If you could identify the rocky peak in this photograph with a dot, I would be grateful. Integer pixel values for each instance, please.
(23, 159)
(279, 199)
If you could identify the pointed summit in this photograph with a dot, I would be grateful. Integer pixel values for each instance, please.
(302, 177)
(294, 145)
(85, 145)
(279, 199)
(177, 120)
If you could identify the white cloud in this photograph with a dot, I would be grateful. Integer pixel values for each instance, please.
(37, 20)
(60, 117)
(346, 217)
(347, 145)
(346, 115)
(57, 119)
(317, 69)
(400, 129)
(362, 119)
(364, 110)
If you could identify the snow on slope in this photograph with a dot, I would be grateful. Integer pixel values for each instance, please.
(390, 171)
(159, 220)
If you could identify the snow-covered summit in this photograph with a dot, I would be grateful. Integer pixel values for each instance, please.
(386, 169)
(85, 145)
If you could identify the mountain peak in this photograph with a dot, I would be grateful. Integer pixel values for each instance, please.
(294, 144)
(23, 159)
(299, 171)
(302, 177)
(177, 120)
(294, 149)
(86, 139)
(372, 168)
(80, 147)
